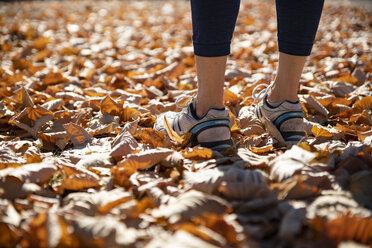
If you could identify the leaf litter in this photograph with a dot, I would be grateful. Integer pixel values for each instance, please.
(81, 85)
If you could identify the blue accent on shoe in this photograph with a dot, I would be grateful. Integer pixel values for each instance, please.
(294, 138)
(288, 115)
(212, 123)
(293, 102)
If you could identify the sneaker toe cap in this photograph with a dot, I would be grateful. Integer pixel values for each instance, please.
(160, 123)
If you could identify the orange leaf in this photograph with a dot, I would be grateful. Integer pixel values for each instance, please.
(69, 51)
(41, 43)
(130, 114)
(347, 79)
(363, 135)
(262, 150)
(350, 228)
(320, 131)
(77, 134)
(153, 137)
(80, 181)
(146, 159)
(54, 78)
(110, 107)
(198, 153)
(177, 71)
(364, 103)
(171, 133)
(230, 96)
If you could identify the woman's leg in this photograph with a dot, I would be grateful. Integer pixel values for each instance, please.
(213, 26)
(298, 22)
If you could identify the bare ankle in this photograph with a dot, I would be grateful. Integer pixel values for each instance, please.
(202, 107)
(279, 95)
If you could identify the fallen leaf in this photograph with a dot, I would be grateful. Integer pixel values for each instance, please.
(189, 205)
(41, 43)
(197, 153)
(145, 159)
(32, 119)
(319, 131)
(110, 107)
(364, 103)
(77, 134)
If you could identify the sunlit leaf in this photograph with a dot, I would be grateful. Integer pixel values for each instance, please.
(77, 134)
(146, 159)
(110, 107)
(320, 131)
(364, 103)
(198, 153)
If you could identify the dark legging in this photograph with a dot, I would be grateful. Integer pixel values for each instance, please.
(214, 21)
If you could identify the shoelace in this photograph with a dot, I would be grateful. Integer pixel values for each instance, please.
(183, 101)
(261, 94)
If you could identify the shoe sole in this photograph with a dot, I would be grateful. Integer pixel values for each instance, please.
(220, 146)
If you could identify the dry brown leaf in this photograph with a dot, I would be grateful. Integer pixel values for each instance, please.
(252, 158)
(53, 105)
(54, 78)
(364, 103)
(289, 163)
(311, 102)
(68, 50)
(204, 233)
(334, 204)
(40, 43)
(153, 137)
(126, 145)
(349, 228)
(239, 184)
(32, 155)
(8, 158)
(198, 153)
(50, 141)
(190, 205)
(249, 123)
(78, 135)
(94, 203)
(121, 175)
(81, 181)
(262, 150)
(110, 107)
(49, 229)
(34, 173)
(130, 114)
(95, 160)
(10, 220)
(295, 188)
(26, 99)
(130, 127)
(32, 119)
(319, 131)
(360, 186)
(77, 177)
(102, 231)
(181, 239)
(172, 134)
(173, 160)
(145, 159)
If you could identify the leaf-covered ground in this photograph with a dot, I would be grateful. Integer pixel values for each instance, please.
(81, 84)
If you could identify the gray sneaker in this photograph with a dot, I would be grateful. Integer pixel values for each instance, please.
(211, 131)
(284, 122)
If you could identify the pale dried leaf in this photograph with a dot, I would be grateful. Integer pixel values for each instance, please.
(190, 204)
(146, 159)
